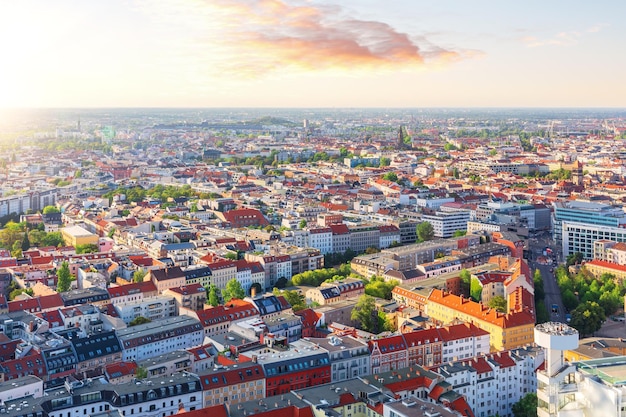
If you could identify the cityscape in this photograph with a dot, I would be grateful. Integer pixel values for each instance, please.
(300, 208)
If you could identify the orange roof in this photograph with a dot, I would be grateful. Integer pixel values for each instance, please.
(479, 311)
(607, 265)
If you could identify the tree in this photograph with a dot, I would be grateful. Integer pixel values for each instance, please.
(302, 224)
(587, 317)
(25, 242)
(371, 250)
(50, 209)
(459, 233)
(139, 320)
(64, 278)
(425, 231)
(466, 278)
(231, 255)
(526, 407)
(476, 289)
(138, 275)
(213, 298)
(541, 313)
(574, 258)
(498, 302)
(378, 287)
(87, 248)
(391, 176)
(53, 239)
(141, 372)
(233, 290)
(294, 298)
(384, 162)
(538, 281)
(111, 233)
(384, 324)
(364, 312)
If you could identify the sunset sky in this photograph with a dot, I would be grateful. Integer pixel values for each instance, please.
(335, 53)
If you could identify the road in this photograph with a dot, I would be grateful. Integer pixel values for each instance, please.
(551, 289)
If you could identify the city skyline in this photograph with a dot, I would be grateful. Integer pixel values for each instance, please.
(272, 53)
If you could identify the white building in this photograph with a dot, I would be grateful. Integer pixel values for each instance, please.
(321, 238)
(152, 308)
(493, 383)
(155, 338)
(446, 223)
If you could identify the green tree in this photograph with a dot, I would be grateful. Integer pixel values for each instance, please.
(50, 209)
(370, 250)
(25, 242)
(213, 298)
(138, 275)
(141, 372)
(538, 281)
(384, 324)
(378, 287)
(391, 176)
(466, 278)
(233, 290)
(111, 233)
(526, 407)
(53, 239)
(476, 289)
(64, 278)
(459, 233)
(574, 258)
(587, 318)
(294, 298)
(384, 162)
(498, 302)
(87, 248)
(139, 320)
(302, 224)
(364, 312)
(541, 314)
(425, 231)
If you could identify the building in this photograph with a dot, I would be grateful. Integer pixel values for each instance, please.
(507, 330)
(239, 382)
(192, 296)
(290, 369)
(151, 308)
(578, 224)
(152, 339)
(76, 235)
(388, 353)
(166, 278)
(446, 223)
(556, 390)
(152, 397)
(349, 357)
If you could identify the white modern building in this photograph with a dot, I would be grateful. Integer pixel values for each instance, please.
(152, 308)
(155, 338)
(446, 223)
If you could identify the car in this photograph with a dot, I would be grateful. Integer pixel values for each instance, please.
(555, 308)
(568, 317)
(551, 270)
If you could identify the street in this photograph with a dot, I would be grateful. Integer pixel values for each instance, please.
(546, 267)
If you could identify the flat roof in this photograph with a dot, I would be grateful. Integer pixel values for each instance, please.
(610, 370)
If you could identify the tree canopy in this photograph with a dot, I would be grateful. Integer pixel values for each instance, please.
(213, 299)
(139, 320)
(587, 318)
(425, 231)
(498, 303)
(233, 290)
(526, 407)
(364, 312)
(50, 209)
(64, 278)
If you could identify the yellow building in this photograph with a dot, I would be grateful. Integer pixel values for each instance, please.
(506, 330)
(597, 268)
(76, 235)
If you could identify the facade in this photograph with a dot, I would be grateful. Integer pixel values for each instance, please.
(152, 339)
(446, 223)
(321, 238)
(349, 357)
(230, 385)
(191, 296)
(152, 308)
(388, 353)
(287, 370)
(507, 330)
(76, 235)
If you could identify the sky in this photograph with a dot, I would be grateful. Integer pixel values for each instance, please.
(312, 53)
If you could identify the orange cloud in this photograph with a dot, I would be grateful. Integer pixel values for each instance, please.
(268, 35)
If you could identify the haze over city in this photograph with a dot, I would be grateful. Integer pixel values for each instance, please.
(272, 53)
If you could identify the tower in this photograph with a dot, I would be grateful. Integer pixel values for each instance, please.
(555, 338)
(577, 173)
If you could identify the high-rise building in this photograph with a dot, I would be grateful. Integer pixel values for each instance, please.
(577, 224)
(595, 387)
